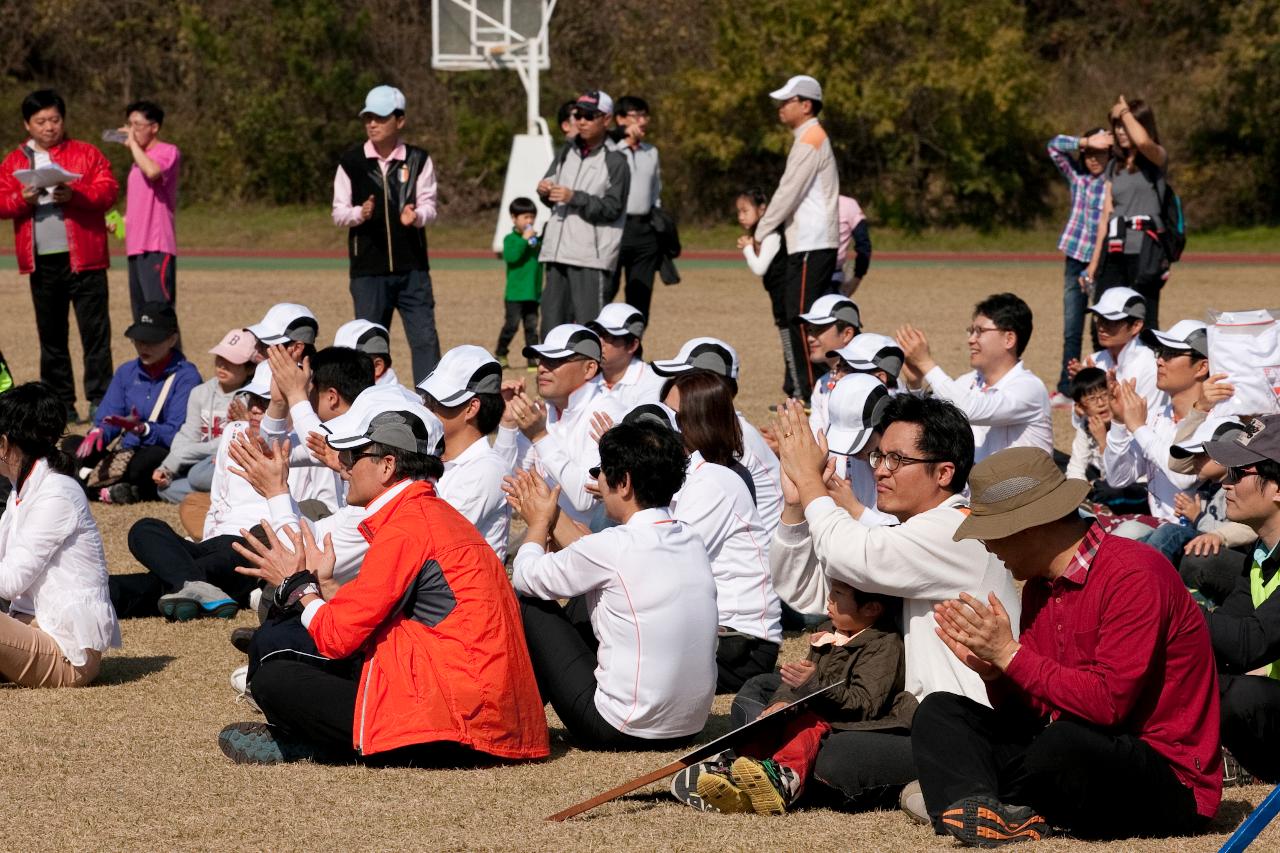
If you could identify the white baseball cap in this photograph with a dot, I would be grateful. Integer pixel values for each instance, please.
(618, 319)
(388, 415)
(869, 352)
(710, 354)
(1117, 303)
(854, 407)
(284, 322)
(653, 413)
(566, 340)
(364, 336)
(595, 99)
(799, 86)
(260, 385)
(1190, 335)
(383, 101)
(831, 307)
(462, 373)
(1212, 429)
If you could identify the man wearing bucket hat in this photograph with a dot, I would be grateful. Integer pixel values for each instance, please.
(465, 393)
(430, 591)
(1245, 629)
(586, 188)
(1103, 709)
(1139, 440)
(556, 436)
(807, 205)
(384, 194)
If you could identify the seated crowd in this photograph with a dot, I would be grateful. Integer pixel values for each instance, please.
(667, 542)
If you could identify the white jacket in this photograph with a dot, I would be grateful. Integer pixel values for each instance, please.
(807, 199)
(53, 567)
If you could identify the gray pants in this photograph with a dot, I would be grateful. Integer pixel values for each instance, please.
(572, 295)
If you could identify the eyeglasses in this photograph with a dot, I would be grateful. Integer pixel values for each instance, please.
(893, 460)
(1170, 353)
(585, 115)
(1096, 397)
(977, 331)
(1235, 475)
(594, 472)
(348, 458)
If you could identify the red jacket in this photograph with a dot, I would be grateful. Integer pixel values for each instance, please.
(437, 621)
(92, 195)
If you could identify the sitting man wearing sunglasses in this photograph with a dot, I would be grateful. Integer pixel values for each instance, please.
(920, 468)
(586, 189)
(1245, 629)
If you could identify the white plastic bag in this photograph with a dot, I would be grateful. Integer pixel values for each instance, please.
(1245, 345)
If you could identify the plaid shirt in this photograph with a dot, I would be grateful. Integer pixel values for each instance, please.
(1087, 193)
(1083, 558)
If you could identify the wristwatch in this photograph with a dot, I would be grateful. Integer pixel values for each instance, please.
(294, 588)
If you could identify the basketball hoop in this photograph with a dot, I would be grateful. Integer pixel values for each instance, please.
(491, 35)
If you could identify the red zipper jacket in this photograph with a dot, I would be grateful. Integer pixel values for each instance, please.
(438, 624)
(92, 195)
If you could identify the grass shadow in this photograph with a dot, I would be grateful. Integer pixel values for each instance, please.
(125, 670)
(1231, 813)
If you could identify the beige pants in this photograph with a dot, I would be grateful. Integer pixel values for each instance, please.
(30, 658)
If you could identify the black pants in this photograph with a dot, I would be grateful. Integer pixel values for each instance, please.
(153, 277)
(859, 769)
(375, 298)
(1136, 271)
(55, 290)
(739, 657)
(282, 634)
(571, 295)
(1214, 575)
(563, 650)
(1251, 723)
(518, 312)
(638, 257)
(171, 561)
(1092, 782)
(808, 277)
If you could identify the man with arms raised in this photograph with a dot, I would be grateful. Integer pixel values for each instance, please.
(1103, 711)
(1006, 403)
(921, 465)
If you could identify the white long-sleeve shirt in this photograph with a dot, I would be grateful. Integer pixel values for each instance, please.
(472, 484)
(715, 503)
(916, 560)
(766, 474)
(759, 263)
(52, 564)
(1085, 452)
(652, 599)
(1013, 412)
(638, 385)
(807, 199)
(308, 478)
(1138, 362)
(567, 452)
(1131, 456)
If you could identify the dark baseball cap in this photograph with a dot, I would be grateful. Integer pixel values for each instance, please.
(156, 322)
(1260, 443)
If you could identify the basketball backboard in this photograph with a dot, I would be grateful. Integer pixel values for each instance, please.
(471, 35)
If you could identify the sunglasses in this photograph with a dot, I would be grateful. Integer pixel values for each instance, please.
(1235, 475)
(586, 115)
(348, 458)
(1170, 353)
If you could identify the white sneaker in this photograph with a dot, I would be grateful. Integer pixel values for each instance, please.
(1058, 400)
(240, 683)
(911, 801)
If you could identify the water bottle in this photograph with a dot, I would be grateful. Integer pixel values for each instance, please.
(114, 136)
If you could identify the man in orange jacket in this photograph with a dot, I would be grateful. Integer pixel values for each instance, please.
(424, 659)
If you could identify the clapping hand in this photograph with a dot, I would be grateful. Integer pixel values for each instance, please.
(601, 422)
(132, 423)
(322, 452)
(537, 504)
(804, 459)
(1133, 407)
(293, 380)
(560, 193)
(981, 636)
(1186, 506)
(915, 349)
(530, 416)
(265, 468)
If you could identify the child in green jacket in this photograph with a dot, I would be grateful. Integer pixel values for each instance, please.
(524, 278)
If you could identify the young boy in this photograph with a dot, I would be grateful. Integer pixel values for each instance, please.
(524, 278)
(1091, 418)
(767, 776)
(829, 325)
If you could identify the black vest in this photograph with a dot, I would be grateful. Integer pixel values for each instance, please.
(381, 245)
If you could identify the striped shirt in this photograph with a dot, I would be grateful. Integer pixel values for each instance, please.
(1087, 194)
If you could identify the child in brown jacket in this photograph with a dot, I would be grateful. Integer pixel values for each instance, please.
(768, 776)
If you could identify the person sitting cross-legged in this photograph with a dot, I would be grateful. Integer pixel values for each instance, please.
(857, 647)
(630, 661)
(1103, 717)
(420, 659)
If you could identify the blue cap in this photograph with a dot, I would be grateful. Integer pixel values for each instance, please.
(383, 101)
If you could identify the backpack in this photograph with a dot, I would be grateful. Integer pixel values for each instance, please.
(1173, 239)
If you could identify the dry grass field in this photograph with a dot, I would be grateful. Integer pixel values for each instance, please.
(132, 762)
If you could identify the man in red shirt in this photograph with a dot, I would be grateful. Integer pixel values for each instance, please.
(60, 239)
(1104, 717)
